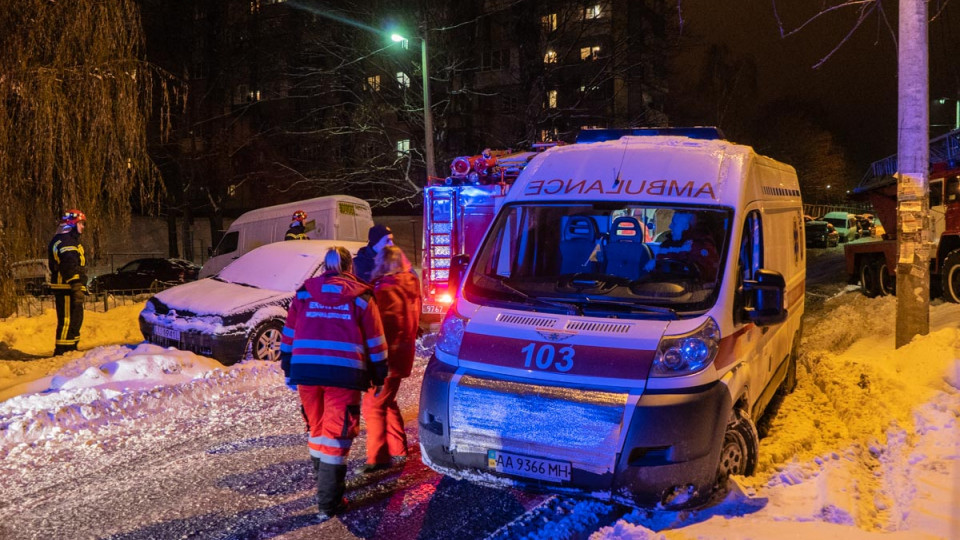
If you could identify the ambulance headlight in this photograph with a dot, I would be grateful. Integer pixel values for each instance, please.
(451, 332)
(687, 353)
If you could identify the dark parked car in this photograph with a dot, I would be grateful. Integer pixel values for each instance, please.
(240, 311)
(821, 234)
(150, 274)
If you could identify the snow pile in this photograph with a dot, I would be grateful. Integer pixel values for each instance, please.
(116, 383)
(867, 445)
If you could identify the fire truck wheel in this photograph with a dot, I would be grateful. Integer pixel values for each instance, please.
(741, 446)
(869, 278)
(265, 343)
(887, 283)
(951, 277)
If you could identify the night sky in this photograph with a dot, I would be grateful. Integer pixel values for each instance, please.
(856, 86)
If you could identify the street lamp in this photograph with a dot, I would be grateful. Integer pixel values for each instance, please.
(427, 113)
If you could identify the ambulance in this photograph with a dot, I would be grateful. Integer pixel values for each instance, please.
(633, 308)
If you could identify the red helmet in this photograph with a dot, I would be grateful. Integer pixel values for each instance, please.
(300, 216)
(72, 217)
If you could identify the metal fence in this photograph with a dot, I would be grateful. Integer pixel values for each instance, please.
(29, 305)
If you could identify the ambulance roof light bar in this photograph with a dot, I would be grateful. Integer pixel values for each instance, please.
(591, 135)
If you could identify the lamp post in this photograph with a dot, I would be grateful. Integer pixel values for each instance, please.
(427, 113)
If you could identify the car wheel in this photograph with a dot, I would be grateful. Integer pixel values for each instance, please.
(869, 280)
(265, 343)
(741, 447)
(950, 277)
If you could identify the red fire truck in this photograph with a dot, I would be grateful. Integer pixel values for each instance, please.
(873, 264)
(456, 213)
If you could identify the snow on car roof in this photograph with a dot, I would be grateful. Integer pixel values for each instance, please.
(281, 266)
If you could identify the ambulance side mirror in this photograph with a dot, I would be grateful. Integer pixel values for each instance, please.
(458, 267)
(763, 298)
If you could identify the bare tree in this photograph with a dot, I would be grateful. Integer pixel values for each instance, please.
(75, 96)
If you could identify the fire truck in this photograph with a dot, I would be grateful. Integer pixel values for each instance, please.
(457, 211)
(873, 264)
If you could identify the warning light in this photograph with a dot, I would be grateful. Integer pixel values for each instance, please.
(445, 298)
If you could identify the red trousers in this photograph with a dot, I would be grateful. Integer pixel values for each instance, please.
(385, 435)
(334, 418)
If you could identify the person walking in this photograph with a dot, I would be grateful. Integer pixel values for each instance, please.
(297, 231)
(378, 237)
(332, 349)
(68, 279)
(397, 292)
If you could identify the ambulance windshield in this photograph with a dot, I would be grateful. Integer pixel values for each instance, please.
(603, 260)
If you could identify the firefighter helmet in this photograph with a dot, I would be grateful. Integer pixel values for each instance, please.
(300, 216)
(72, 217)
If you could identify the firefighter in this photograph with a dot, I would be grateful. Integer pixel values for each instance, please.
(332, 350)
(377, 237)
(397, 292)
(297, 230)
(68, 279)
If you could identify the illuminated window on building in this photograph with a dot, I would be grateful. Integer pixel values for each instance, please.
(549, 22)
(592, 12)
(550, 57)
(547, 135)
(552, 99)
(403, 80)
(589, 53)
(373, 83)
(403, 147)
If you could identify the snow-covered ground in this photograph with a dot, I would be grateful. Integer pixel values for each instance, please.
(868, 446)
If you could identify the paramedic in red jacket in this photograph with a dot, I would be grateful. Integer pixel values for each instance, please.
(397, 291)
(332, 350)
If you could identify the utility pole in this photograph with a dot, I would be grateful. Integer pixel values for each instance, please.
(913, 158)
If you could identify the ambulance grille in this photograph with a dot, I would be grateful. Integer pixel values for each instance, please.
(579, 426)
(526, 320)
(601, 328)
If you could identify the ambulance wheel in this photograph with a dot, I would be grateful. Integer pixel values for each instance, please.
(265, 343)
(741, 446)
(870, 278)
(950, 276)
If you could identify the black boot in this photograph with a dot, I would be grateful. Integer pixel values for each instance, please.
(331, 484)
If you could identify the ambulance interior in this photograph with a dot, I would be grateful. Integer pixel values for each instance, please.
(645, 261)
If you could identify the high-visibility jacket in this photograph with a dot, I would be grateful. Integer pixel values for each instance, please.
(333, 335)
(65, 258)
(296, 232)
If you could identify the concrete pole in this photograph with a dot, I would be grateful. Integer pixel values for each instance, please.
(913, 158)
(427, 113)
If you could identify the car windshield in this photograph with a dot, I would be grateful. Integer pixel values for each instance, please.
(266, 268)
(837, 222)
(639, 261)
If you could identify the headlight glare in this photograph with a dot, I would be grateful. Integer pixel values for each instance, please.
(451, 333)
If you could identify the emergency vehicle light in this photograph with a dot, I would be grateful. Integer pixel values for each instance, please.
(600, 135)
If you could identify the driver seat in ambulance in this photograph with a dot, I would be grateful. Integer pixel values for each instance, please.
(627, 254)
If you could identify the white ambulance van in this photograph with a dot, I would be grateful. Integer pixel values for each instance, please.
(632, 310)
(335, 217)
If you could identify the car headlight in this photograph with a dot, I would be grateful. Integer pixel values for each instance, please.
(687, 353)
(451, 332)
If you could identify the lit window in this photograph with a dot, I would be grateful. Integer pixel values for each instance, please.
(373, 83)
(550, 57)
(592, 12)
(589, 53)
(403, 147)
(403, 79)
(552, 99)
(549, 22)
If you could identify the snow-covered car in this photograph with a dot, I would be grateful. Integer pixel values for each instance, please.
(821, 234)
(240, 311)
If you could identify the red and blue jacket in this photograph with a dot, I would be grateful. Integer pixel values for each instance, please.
(333, 335)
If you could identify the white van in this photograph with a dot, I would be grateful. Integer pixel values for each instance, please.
(631, 311)
(336, 217)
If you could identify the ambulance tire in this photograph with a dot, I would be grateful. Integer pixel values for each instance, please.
(741, 448)
(265, 341)
(870, 278)
(950, 277)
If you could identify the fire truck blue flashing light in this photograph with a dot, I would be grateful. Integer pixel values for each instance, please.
(599, 135)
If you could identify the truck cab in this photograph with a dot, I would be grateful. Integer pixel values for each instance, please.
(629, 314)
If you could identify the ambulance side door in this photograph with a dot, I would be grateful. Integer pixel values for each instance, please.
(753, 346)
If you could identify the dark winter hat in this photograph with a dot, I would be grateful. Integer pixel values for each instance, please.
(377, 232)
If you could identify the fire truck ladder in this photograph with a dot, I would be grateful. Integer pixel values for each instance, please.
(943, 149)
